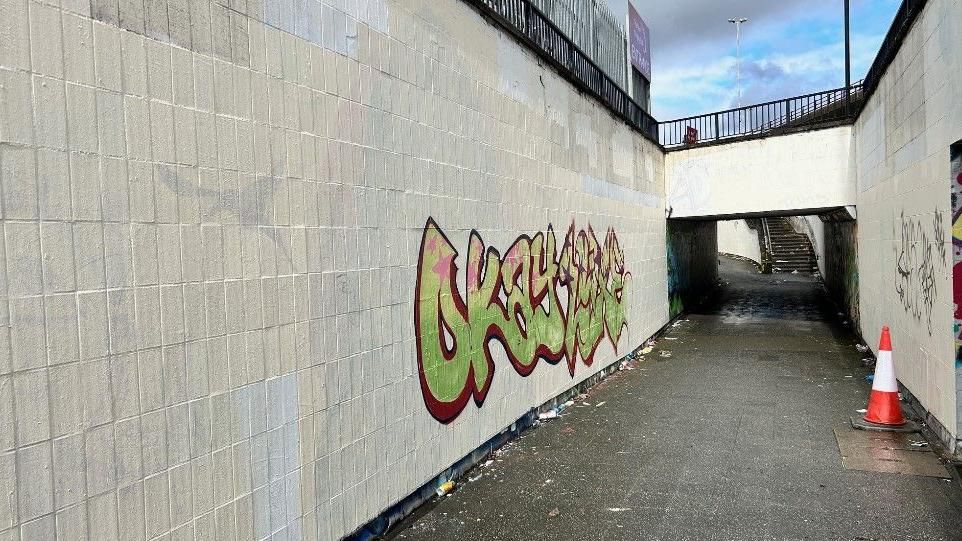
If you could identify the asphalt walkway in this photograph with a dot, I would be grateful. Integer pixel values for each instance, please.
(727, 435)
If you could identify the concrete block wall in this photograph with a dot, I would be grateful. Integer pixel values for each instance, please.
(212, 220)
(905, 249)
(839, 268)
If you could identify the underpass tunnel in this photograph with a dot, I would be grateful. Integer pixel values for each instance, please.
(820, 247)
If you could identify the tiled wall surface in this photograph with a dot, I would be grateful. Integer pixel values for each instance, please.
(211, 217)
(904, 207)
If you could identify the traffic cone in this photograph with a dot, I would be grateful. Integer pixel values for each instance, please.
(884, 413)
(883, 404)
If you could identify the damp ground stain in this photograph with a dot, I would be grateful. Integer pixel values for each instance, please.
(726, 435)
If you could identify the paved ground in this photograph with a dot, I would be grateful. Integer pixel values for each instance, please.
(731, 437)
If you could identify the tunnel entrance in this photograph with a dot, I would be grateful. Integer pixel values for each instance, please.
(821, 246)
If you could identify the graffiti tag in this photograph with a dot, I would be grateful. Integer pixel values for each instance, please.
(536, 302)
(955, 155)
(915, 281)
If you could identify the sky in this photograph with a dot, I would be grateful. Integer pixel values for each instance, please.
(788, 48)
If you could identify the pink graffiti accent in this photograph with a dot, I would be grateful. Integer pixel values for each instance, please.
(516, 301)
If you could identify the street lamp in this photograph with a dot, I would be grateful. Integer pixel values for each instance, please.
(738, 53)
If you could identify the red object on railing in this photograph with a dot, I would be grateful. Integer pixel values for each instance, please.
(691, 136)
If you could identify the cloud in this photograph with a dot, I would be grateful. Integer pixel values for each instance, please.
(692, 89)
(788, 48)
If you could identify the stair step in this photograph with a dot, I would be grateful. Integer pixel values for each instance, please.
(790, 250)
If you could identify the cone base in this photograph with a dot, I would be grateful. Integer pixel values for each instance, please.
(861, 424)
(884, 408)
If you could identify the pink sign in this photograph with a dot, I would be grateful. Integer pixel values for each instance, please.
(639, 43)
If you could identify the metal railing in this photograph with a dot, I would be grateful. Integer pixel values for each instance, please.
(526, 22)
(541, 32)
(771, 118)
(594, 29)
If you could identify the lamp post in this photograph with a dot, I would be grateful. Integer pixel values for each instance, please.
(848, 60)
(738, 54)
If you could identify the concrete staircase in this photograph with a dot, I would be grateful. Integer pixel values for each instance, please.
(790, 251)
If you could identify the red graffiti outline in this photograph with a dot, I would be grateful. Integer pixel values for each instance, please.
(588, 276)
(445, 412)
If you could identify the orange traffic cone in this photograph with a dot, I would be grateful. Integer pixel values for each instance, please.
(884, 412)
(883, 404)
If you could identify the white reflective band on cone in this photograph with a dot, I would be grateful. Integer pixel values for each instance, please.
(885, 374)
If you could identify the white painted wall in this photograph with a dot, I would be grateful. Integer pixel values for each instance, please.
(735, 237)
(904, 207)
(807, 170)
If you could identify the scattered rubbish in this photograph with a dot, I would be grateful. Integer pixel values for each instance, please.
(445, 488)
(488, 463)
(475, 478)
(870, 377)
(671, 338)
(623, 366)
(849, 376)
(664, 353)
(919, 444)
(862, 348)
(554, 512)
(647, 350)
(863, 410)
(547, 482)
(619, 509)
(569, 403)
(868, 361)
(548, 415)
(599, 404)
(675, 324)
(795, 271)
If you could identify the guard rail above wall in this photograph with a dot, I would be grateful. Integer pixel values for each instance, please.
(799, 113)
(532, 27)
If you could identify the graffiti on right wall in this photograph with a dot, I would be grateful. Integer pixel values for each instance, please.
(956, 179)
(921, 253)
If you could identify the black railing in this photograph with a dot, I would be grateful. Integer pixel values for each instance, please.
(811, 111)
(532, 27)
(781, 116)
(904, 17)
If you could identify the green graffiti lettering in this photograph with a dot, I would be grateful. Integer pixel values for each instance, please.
(514, 300)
